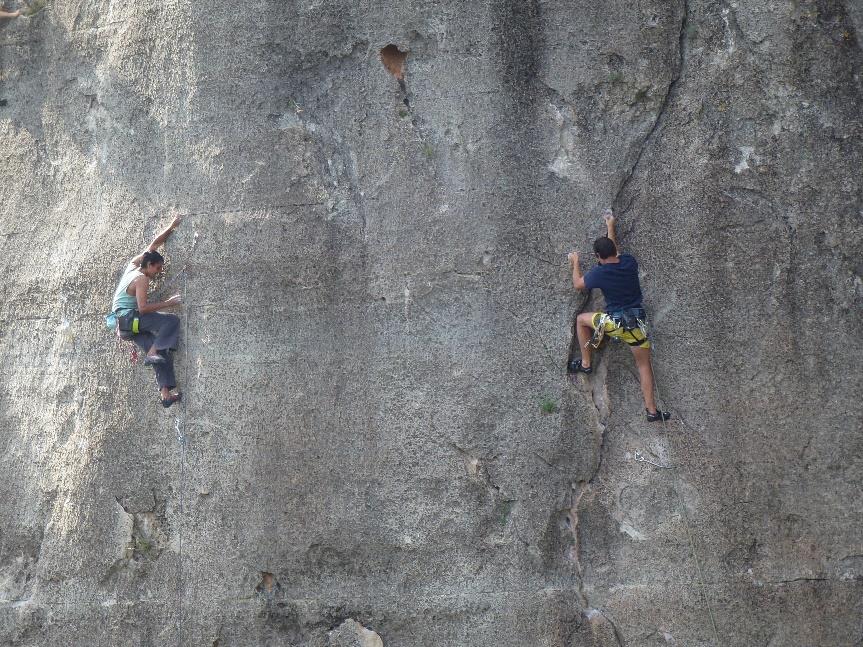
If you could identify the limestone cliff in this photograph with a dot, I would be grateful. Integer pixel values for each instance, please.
(379, 443)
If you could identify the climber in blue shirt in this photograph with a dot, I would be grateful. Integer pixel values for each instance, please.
(624, 317)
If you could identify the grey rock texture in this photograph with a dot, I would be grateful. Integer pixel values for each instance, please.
(352, 634)
(378, 317)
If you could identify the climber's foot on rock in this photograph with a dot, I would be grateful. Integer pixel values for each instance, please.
(657, 415)
(171, 399)
(575, 366)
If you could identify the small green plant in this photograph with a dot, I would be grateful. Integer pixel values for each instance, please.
(403, 113)
(547, 406)
(642, 94)
(142, 546)
(615, 77)
(428, 150)
(503, 510)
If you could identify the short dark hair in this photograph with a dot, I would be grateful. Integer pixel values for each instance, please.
(604, 247)
(151, 258)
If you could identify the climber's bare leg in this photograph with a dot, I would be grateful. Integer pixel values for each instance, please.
(584, 330)
(645, 376)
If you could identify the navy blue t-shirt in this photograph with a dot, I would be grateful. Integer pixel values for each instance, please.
(618, 282)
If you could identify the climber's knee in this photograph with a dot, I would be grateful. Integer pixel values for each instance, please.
(641, 355)
(586, 319)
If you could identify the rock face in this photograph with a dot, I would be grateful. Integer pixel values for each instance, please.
(352, 634)
(377, 423)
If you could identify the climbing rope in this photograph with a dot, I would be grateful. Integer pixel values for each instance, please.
(180, 426)
(683, 515)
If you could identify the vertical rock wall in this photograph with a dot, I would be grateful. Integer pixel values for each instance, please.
(378, 442)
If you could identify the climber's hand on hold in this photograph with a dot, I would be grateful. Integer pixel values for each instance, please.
(174, 301)
(577, 278)
(610, 220)
(160, 239)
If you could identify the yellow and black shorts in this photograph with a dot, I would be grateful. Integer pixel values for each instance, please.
(612, 328)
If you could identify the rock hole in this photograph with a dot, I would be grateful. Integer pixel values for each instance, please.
(268, 585)
(394, 61)
(615, 61)
(268, 588)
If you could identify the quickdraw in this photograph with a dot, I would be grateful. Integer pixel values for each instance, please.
(599, 332)
(639, 457)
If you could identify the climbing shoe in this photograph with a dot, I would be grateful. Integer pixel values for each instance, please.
(659, 415)
(576, 367)
(167, 402)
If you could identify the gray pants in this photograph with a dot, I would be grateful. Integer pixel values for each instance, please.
(163, 331)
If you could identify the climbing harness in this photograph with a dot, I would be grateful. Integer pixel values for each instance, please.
(631, 321)
(128, 325)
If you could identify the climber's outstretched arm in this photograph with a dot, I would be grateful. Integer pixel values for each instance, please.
(158, 240)
(577, 277)
(8, 14)
(610, 221)
(140, 285)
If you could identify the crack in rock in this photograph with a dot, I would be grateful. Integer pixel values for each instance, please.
(477, 470)
(599, 622)
(604, 626)
(682, 55)
(147, 538)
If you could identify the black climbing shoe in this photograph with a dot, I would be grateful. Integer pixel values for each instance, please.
(167, 402)
(659, 415)
(576, 367)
